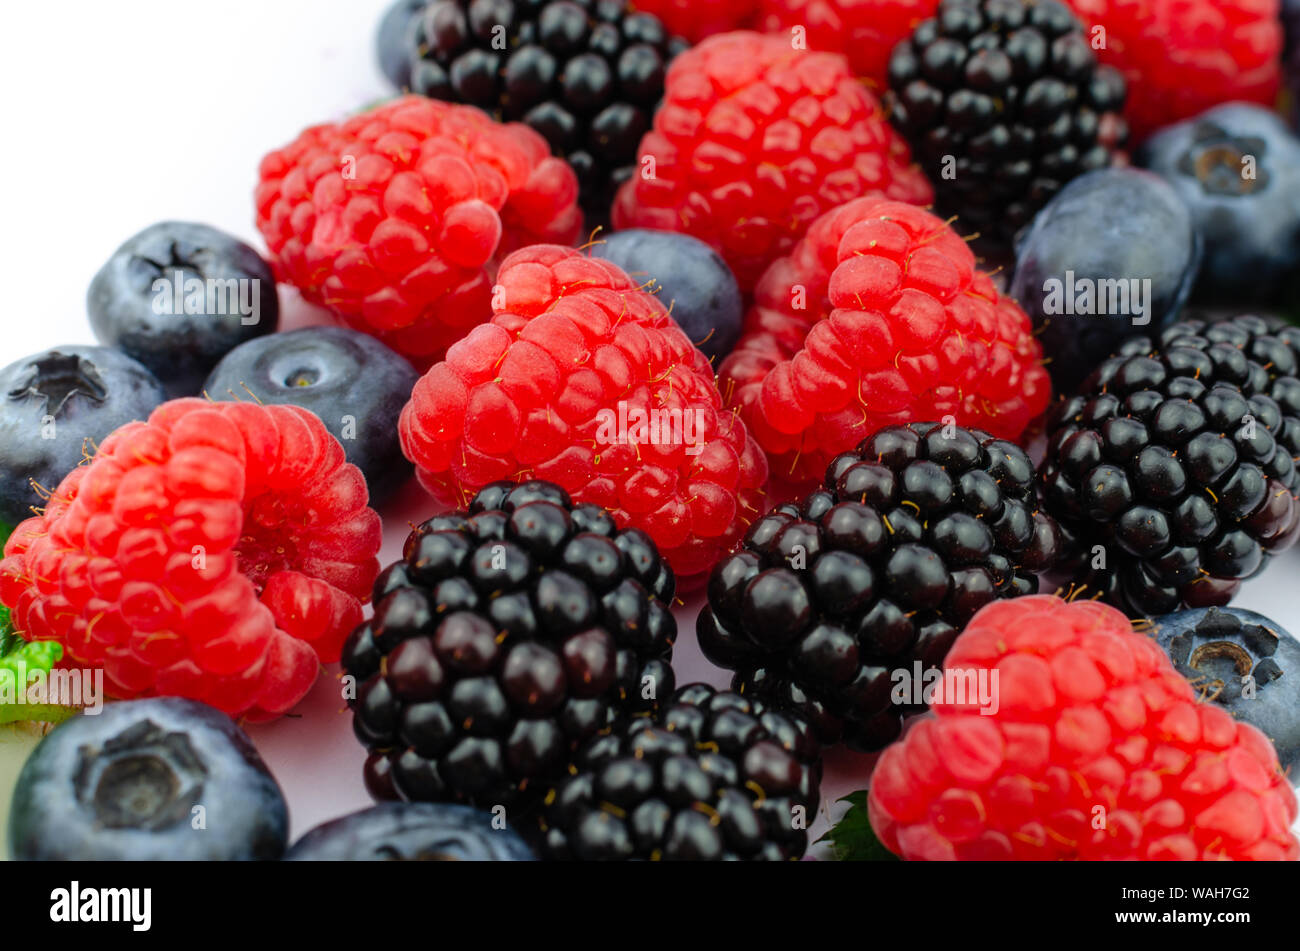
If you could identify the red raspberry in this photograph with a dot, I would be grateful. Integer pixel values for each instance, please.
(864, 30)
(550, 388)
(878, 316)
(1097, 749)
(753, 141)
(1180, 57)
(220, 551)
(694, 20)
(395, 218)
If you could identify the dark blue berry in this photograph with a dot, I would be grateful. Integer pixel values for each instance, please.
(355, 384)
(157, 779)
(178, 297)
(56, 406)
(1115, 225)
(412, 831)
(1238, 169)
(394, 41)
(1239, 660)
(689, 277)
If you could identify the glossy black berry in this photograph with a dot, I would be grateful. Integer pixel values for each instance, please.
(507, 635)
(1002, 109)
(1172, 472)
(586, 74)
(914, 532)
(713, 775)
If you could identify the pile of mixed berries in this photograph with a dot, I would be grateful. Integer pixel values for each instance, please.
(827, 332)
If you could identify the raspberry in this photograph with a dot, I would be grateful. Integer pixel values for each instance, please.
(866, 31)
(395, 218)
(878, 316)
(1180, 57)
(219, 551)
(584, 380)
(695, 21)
(1098, 749)
(756, 139)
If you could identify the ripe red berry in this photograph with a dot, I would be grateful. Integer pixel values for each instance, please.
(1180, 57)
(1093, 747)
(866, 31)
(878, 316)
(584, 380)
(219, 551)
(395, 218)
(755, 139)
(695, 21)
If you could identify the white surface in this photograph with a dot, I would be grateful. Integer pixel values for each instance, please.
(117, 115)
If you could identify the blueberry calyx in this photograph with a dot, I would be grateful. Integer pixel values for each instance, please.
(143, 778)
(1218, 161)
(58, 377)
(1252, 641)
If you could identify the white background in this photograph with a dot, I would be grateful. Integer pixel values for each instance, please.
(117, 115)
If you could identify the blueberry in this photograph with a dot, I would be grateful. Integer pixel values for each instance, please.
(394, 41)
(55, 404)
(695, 281)
(355, 384)
(409, 831)
(1244, 662)
(163, 778)
(178, 296)
(1113, 254)
(1237, 167)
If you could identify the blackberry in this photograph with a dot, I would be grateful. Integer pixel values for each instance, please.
(1003, 102)
(913, 533)
(713, 776)
(506, 635)
(586, 74)
(1172, 471)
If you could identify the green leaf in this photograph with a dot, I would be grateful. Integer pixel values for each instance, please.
(9, 641)
(852, 839)
(17, 660)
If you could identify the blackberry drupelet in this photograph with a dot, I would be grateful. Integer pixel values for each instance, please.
(586, 74)
(1172, 471)
(714, 775)
(505, 636)
(913, 533)
(1003, 102)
